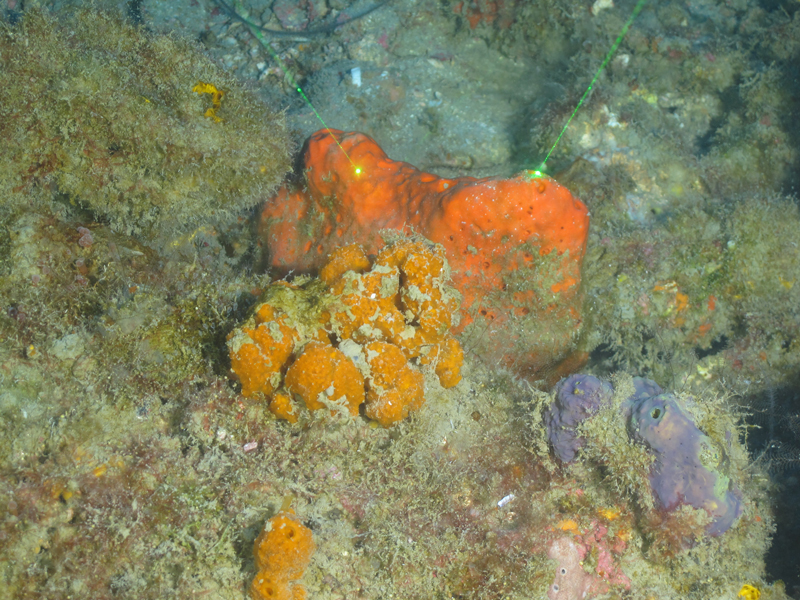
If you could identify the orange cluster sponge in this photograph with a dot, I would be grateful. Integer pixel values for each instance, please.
(283, 552)
(324, 371)
(515, 245)
(395, 388)
(259, 350)
(378, 326)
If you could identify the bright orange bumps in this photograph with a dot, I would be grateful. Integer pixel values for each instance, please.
(323, 372)
(343, 259)
(423, 270)
(260, 348)
(394, 312)
(395, 388)
(370, 311)
(283, 552)
(429, 305)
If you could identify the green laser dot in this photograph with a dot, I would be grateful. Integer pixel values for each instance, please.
(533, 174)
(636, 10)
(256, 32)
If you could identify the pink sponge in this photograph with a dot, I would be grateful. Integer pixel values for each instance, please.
(571, 582)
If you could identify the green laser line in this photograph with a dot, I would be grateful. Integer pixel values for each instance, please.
(539, 172)
(260, 37)
(636, 10)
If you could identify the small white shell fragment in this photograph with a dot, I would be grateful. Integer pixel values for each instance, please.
(505, 500)
(355, 73)
(601, 5)
(250, 446)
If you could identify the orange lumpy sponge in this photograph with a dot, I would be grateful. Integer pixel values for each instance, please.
(259, 349)
(370, 311)
(423, 270)
(306, 343)
(395, 387)
(324, 371)
(341, 260)
(515, 245)
(282, 552)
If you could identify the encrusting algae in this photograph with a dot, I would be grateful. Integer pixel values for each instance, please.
(119, 128)
(362, 333)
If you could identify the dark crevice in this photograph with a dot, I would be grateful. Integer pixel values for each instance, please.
(731, 102)
(717, 346)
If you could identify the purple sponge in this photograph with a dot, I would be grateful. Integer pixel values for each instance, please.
(578, 397)
(679, 475)
(684, 470)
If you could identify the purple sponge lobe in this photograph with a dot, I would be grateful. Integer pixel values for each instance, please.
(679, 475)
(577, 398)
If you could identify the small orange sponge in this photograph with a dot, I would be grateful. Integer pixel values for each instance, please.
(448, 362)
(283, 407)
(283, 552)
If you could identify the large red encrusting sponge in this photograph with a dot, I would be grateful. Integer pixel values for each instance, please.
(515, 245)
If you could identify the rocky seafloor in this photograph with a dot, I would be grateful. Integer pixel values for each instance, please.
(130, 465)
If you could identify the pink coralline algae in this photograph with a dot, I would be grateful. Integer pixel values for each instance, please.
(573, 580)
(86, 239)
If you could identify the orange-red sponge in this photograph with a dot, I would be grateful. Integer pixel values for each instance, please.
(283, 552)
(515, 245)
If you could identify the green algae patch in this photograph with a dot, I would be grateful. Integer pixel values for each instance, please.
(112, 118)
